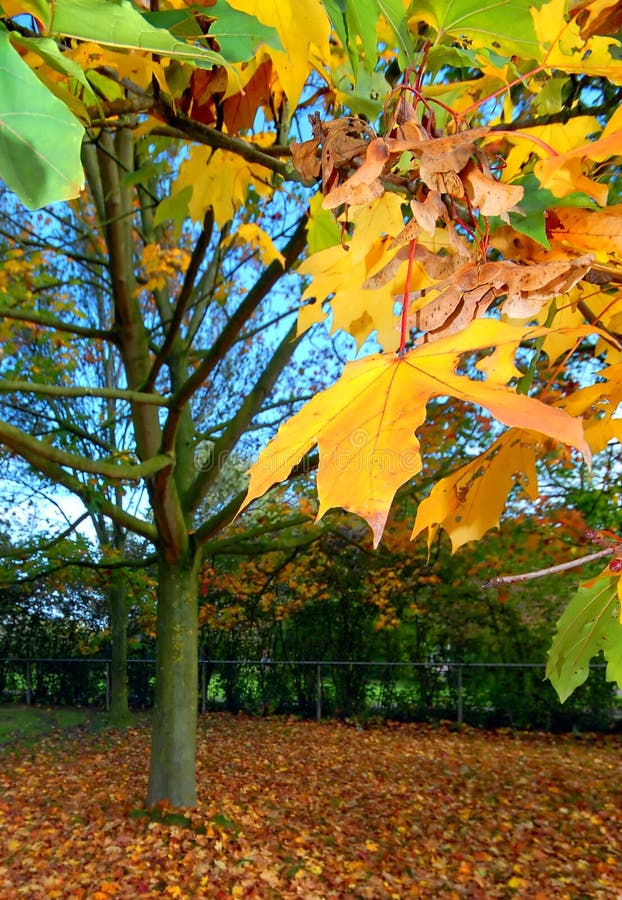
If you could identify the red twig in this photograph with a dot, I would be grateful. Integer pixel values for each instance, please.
(404, 326)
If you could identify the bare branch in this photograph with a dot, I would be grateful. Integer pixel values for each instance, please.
(204, 134)
(55, 390)
(49, 321)
(549, 570)
(35, 450)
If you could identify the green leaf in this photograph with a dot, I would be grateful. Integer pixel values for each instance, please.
(589, 624)
(322, 229)
(225, 823)
(534, 204)
(393, 11)
(455, 57)
(550, 99)
(336, 11)
(361, 18)
(367, 96)
(39, 138)
(174, 208)
(502, 25)
(49, 51)
(238, 34)
(118, 24)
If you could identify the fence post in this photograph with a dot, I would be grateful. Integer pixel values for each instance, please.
(318, 694)
(203, 686)
(28, 684)
(460, 709)
(108, 680)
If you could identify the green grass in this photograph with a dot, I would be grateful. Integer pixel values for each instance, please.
(27, 723)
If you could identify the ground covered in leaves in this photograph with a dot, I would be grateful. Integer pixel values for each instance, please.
(298, 809)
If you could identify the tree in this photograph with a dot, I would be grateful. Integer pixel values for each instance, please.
(476, 245)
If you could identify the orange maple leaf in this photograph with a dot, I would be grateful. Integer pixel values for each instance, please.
(365, 424)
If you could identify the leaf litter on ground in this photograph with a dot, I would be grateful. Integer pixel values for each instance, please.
(293, 808)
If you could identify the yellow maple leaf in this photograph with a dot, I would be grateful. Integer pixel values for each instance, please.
(564, 48)
(470, 501)
(359, 306)
(301, 25)
(139, 67)
(251, 233)
(563, 174)
(585, 229)
(364, 425)
(598, 403)
(219, 179)
(530, 141)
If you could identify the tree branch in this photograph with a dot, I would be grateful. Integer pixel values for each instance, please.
(549, 570)
(55, 390)
(204, 134)
(49, 321)
(89, 496)
(185, 293)
(249, 408)
(230, 332)
(81, 563)
(27, 552)
(224, 516)
(34, 450)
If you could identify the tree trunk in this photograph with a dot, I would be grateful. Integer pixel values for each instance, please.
(172, 768)
(118, 607)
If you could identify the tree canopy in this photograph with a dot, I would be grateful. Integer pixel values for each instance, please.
(444, 179)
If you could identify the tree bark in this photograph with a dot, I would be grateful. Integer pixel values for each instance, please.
(118, 608)
(172, 776)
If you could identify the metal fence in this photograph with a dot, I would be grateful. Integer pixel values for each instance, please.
(478, 693)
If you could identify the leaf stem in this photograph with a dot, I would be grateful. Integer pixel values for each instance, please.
(528, 137)
(404, 325)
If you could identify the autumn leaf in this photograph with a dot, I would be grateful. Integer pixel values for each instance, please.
(491, 196)
(441, 160)
(364, 426)
(563, 174)
(251, 233)
(219, 179)
(471, 289)
(470, 501)
(599, 404)
(303, 27)
(364, 186)
(558, 36)
(525, 806)
(599, 232)
(359, 304)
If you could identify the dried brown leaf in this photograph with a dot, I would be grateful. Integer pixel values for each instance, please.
(441, 159)
(306, 159)
(367, 176)
(492, 197)
(469, 291)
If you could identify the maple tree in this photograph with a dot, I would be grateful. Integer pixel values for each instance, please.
(466, 229)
